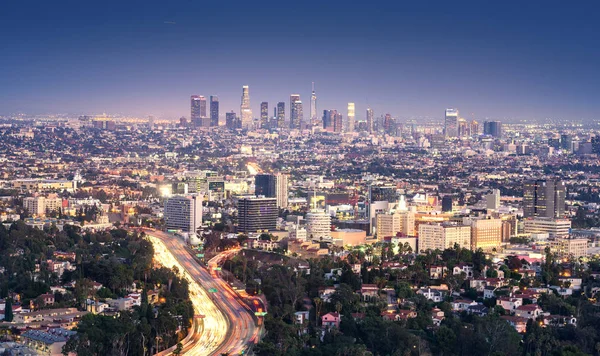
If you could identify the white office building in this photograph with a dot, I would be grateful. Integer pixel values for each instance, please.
(184, 212)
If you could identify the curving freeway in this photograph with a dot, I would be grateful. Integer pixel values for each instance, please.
(222, 322)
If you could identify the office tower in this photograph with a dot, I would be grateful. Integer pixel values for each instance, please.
(544, 198)
(565, 246)
(486, 234)
(318, 225)
(257, 214)
(383, 192)
(245, 110)
(451, 123)
(492, 200)
(337, 121)
(552, 227)
(183, 122)
(463, 127)
(264, 184)
(39, 206)
(493, 128)
(351, 118)
(327, 120)
(281, 190)
(447, 203)
(264, 114)
(370, 120)
(184, 212)
(391, 224)
(231, 121)
(566, 142)
(474, 128)
(313, 106)
(296, 114)
(214, 110)
(196, 110)
(441, 236)
(389, 125)
(280, 114)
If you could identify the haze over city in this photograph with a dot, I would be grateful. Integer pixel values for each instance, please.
(500, 60)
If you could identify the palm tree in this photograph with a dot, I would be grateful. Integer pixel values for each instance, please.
(318, 304)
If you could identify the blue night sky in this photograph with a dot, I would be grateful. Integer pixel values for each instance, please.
(496, 59)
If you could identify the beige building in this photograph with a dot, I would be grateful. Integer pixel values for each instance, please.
(486, 234)
(40, 185)
(443, 236)
(569, 247)
(391, 224)
(352, 237)
(553, 227)
(38, 206)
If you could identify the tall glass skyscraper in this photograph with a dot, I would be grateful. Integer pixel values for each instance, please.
(245, 110)
(198, 104)
(264, 114)
(296, 115)
(280, 114)
(451, 123)
(214, 110)
(351, 118)
(370, 120)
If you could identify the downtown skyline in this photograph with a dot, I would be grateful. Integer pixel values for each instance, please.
(410, 60)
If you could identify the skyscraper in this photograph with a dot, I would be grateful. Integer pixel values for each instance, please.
(196, 110)
(184, 212)
(370, 120)
(296, 115)
(451, 123)
(313, 106)
(264, 184)
(280, 114)
(351, 118)
(214, 110)
(257, 214)
(327, 120)
(245, 110)
(337, 121)
(281, 190)
(264, 114)
(493, 128)
(544, 198)
(231, 121)
(389, 125)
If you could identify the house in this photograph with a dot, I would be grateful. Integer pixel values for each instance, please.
(519, 323)
(462, 304)
(478, 309)
(325, 293)
(437, 272)
(49, 343)
(331, 320)
(399, 315)
(334, 273)
(393, 265)
(559, 320)
(463, 268)
(573, 283)
(477, 284)
(301, 317)
(356, 268)
(358, 316)
(434, 295)
(488, 292)
(510, 304)
(529, 311)
(369, 292)
(437, 315)
(47, 299)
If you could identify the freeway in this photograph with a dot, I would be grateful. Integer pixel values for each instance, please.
(223, 323)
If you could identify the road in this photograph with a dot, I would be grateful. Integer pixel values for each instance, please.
(223, 323)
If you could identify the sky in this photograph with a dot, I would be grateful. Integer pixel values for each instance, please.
(489, 59)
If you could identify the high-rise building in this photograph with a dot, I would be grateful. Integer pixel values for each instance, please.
(337, 121)
(214, 110)
(474, 128)
(441, 236)
(493, 128)
(451, 123)
(280, 114)
(351, 117)
(264, 114)
(40, 205)
(296, 114)
(184, 212)
(257, 214)
(245, 110)
(198, 104)
(552, 227)
(318, 225)
(231, 121)
(391, 224)
(492, 200)
(327, 120)
(264, 184)
(370, 120)
(383, 192)
(544, 198)
(447, 203)
(389, 125)
(281, 190)
(486, 234)
(313, 106)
